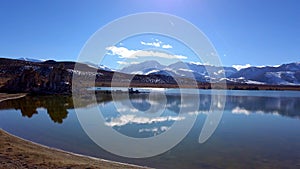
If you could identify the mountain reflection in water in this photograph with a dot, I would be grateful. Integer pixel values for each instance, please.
(57, 106)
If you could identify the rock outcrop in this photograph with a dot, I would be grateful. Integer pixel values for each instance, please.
(56, 81)
(28, 80)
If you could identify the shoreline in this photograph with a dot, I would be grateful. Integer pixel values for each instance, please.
(206, 86)
(16, 152)
(6, 96)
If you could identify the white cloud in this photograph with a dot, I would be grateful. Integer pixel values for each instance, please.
(164, 128)
(198, 112)
(155, 129)
(123, 52)
(167, 46)
(129, 119)
(238, 110)
(239, 67)
(155, 44)
(126, 110)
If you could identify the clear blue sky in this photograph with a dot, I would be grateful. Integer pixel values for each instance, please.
(256, 32)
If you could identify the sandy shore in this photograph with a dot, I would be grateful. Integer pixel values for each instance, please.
(17, 153)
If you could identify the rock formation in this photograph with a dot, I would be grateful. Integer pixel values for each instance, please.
(56, 81)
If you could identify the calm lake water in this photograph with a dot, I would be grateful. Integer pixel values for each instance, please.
(258, 129)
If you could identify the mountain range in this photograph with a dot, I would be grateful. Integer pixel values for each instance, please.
(285, 74)
(26, 75)
(55, 77)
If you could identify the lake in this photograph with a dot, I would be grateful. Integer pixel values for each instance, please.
(258, 129)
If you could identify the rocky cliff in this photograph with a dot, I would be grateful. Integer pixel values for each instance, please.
(53, 80)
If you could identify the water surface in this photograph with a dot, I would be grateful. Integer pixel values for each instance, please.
(258, 129)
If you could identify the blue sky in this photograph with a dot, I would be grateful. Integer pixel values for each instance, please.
(256, 32)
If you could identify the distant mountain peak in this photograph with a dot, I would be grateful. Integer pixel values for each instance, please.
(239, 67)
(30, 59)
(102, 67)
(143, 67)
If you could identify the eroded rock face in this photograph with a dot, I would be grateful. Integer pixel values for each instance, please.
(56, 81)
(28, 80)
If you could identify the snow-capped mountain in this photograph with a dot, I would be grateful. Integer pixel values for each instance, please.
(203, 73)
(143, 68)
(285, 74)
(102, 67)
(30, 59)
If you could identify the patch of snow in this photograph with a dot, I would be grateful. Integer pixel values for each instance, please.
(254, 82)
(239, 67)
(137, 73)
(152, 71)
(186, 70)
(31, 60)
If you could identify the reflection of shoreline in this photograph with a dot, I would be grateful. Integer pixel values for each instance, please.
(6, 96)
(20, 152)
(57, 106)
